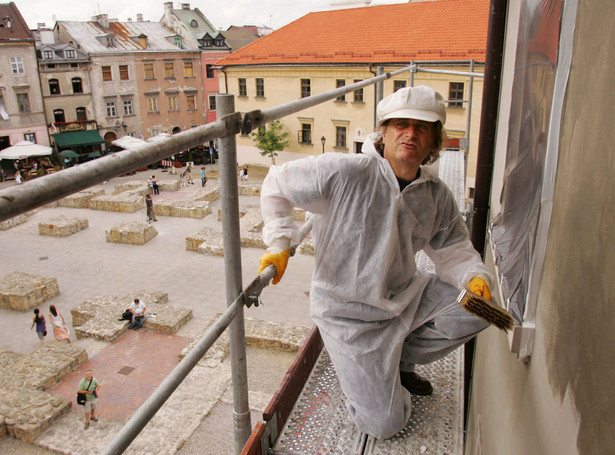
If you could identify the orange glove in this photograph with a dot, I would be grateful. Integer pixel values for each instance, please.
(479, 286)
(280, 260)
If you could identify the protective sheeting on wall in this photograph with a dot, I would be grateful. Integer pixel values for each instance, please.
(513, 230)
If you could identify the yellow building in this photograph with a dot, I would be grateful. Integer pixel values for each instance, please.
(322, 51)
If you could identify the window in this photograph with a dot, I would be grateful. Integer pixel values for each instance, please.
(207, 43)
(16, 65)
(81, 113)
(58, 116)
(188, 69)
(106, 74)
(69, 53)
(243, 87)
(23, 101)
(48, 55)
(194, 23)
(306, 89)
(219, 42)
(177, 40)
(210, 71)
(260, 87)
(30, 137)
(51, 66)
(155, 131)
(305, 133)
(77, 85)
(358, 94)
(149, 70)
(172, 101)
(191, 102)
(340, 83)
(399, 84)
(128, 110)
(54, 87)
(124, 73)
(212, 103)
(169, 70)
(340, 136)
(152, 104)
(111, 111)
(455, 92)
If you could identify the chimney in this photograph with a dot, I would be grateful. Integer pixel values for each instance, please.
(139, 17)
(186, 6)
(102, 20)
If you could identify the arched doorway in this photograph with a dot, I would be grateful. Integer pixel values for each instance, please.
(109, 137)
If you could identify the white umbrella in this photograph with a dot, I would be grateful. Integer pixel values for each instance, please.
(24, 149)
(127, 142)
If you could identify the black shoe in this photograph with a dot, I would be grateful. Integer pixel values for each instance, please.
(415, 384)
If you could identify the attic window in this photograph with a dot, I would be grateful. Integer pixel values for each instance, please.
(207, 43)
(47, 54)
(110, 41)
(69, 53)
(219, 42)
(194, 23)
(143, 41)
(177, 40)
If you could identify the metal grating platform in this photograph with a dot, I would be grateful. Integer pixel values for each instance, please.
(319, 422)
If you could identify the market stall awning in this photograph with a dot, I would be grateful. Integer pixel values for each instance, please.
(74, 138)
(24, 149)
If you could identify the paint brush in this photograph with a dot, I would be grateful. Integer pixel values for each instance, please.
(485, 309)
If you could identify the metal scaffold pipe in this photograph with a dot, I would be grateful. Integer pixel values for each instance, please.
(19, 199)
(232, 272)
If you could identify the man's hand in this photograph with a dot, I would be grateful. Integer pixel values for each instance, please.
(280, 260)
(479, 286)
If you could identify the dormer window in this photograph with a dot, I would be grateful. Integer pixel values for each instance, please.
(194, 23)
(110, 40)
(177, 40)
(48, 55)
(143, 41)
(69, 53)
(219, 42)
(207, 43)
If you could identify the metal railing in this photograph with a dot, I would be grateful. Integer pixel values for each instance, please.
(30, 195)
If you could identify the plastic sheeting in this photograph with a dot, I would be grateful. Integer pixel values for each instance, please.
(513, 230)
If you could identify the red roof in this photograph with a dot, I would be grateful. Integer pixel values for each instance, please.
(18, 30)
(430, 30)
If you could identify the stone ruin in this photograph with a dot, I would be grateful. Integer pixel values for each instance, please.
(22, 291)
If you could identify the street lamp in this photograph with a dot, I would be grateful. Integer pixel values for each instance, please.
(322, 141)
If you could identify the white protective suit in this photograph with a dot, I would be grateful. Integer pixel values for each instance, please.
(375, 311)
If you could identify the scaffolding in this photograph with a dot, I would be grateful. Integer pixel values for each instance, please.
(33, 194)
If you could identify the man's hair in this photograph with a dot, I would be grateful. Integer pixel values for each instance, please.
(136, 300)
(439, 140)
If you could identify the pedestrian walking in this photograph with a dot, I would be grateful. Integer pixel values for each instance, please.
(154, 183)
(203, 177)
(149, 205)
(60, 331)
(41, 327)
(189, 174)
(89, 387)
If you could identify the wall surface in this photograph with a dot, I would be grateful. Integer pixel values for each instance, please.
(562, 401)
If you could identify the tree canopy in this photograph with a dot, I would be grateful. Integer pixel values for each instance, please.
(271, 139)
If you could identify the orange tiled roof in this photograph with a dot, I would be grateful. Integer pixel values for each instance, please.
(430, 30)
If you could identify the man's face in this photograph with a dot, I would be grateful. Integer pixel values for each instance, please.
(407, 142)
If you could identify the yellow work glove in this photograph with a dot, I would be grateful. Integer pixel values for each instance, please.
(479, 286)
(280, 260)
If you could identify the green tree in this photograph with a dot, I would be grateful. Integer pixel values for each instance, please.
(270, 139)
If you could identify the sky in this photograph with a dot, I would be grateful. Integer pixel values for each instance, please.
(222, 14)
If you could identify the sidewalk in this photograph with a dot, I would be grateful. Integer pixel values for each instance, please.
(85, 266)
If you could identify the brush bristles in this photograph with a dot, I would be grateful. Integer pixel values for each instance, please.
(486, 310)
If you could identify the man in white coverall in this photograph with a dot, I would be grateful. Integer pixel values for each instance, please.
(377, 314)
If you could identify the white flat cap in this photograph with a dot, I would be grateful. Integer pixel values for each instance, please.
(420, 103)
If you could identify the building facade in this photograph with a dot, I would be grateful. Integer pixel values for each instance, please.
(321, 51)
(22, 115)
(145, 79)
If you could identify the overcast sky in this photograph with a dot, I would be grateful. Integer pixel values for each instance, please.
(222, 14)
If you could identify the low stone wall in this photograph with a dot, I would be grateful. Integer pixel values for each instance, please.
(22, 291)
(126, 202)
(307, 247)
(251, 227)
(16, 220)
(247, 189)
(206, 241)
(211, 191)
(26, 410)
(187, 208)
(98, 317)
(276, 336)
(81, 200)
(131, 233)
(61, 226)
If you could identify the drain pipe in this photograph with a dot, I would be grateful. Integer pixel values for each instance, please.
(484, 165)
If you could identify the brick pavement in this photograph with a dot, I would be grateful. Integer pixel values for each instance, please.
(129, 371)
